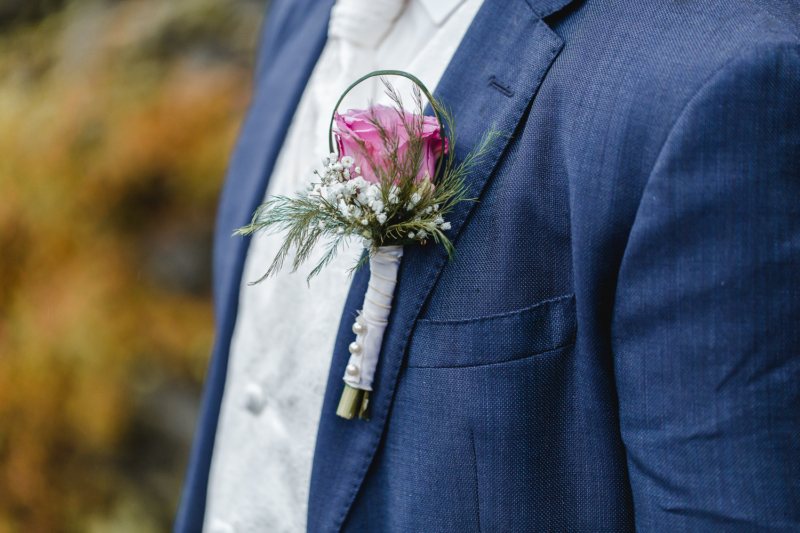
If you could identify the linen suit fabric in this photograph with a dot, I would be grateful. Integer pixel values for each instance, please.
(615, 345)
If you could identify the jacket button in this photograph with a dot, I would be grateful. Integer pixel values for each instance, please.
(254, 398)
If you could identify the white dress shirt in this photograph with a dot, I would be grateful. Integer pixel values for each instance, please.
(285, 330)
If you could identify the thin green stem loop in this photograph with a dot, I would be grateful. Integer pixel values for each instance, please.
(417, 82)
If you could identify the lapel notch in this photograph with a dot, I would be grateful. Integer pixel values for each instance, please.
(545, 8)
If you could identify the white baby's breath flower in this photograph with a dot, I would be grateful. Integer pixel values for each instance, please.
(410, 234)
(415, 198)
(347, 161)
(364, 222)
(358, 170)
(392, 199)
(438, 221)
(445, 226)
(377, 206)
(422, 234)
(346, 174)
(357, 183)
(381, 218)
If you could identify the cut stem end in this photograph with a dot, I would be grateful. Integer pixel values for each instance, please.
(353, 402)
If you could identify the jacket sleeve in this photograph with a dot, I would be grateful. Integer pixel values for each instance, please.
(706, 324)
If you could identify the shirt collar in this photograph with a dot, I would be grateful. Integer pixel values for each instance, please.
(439, 10)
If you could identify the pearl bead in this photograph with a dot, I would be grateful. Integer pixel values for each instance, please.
(352, 370)
(359, 328)
(355, 348)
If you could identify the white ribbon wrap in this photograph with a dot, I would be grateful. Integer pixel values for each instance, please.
(366, 349)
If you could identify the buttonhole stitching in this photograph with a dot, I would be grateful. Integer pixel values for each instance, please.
(500, 86)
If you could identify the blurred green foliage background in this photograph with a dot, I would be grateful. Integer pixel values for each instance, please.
(116, 121)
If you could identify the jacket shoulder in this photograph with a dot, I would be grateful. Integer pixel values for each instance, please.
(704, 36)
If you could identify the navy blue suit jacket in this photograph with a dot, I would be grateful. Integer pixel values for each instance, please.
(616, 345)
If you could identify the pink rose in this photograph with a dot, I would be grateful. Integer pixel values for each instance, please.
(355, 126)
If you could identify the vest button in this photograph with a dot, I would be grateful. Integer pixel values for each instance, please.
(254, 398)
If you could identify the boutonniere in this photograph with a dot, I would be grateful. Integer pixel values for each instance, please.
(391, 181)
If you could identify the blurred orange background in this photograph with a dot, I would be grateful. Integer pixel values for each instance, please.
(116, 121)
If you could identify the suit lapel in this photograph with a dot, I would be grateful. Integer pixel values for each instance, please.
(490, 82)
(279, 88)
(287, 59)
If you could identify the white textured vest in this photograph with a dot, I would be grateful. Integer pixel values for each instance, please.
(282, 344)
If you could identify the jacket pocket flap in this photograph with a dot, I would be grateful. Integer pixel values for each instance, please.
(495, 338)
